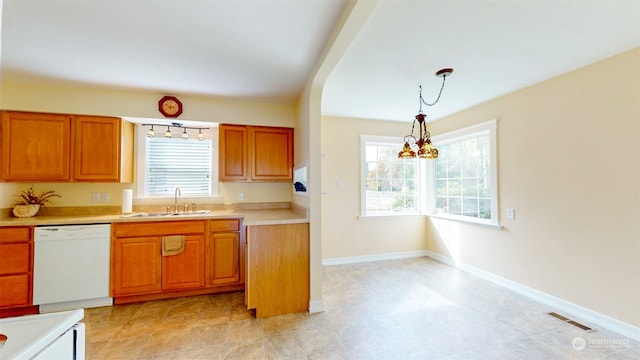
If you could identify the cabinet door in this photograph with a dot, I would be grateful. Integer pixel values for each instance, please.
(35, 147)
(233, 161)
(15, 291)
(271, 153)
(96, 155)
(136, 266)
(185, 270)
(224, 267)
(277, 269)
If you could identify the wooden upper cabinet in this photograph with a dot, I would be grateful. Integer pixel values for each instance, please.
(233, 144)
(54, 147)
(256, 153)
(35, 147)
(271, 153)
(96, 143)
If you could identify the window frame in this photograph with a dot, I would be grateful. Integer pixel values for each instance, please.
(458, 135)
(420, 185)
(140, 166)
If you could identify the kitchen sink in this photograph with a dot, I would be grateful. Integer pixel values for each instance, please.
(167, 214)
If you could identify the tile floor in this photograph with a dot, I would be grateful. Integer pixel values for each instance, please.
(401, 309)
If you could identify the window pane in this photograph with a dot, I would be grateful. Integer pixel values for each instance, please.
(176, 162)
(390, 183)
(462, 177)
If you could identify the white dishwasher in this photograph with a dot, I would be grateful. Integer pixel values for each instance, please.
(71, 267)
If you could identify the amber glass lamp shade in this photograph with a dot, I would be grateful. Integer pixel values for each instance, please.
(406, 152)
(427, 150)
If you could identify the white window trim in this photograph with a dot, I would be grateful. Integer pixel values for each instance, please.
(364, 139)
(457, 135)
(140, 172)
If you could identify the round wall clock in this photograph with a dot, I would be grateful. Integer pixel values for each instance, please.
(170, 106)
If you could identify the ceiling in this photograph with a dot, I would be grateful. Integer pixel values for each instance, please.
(264, 50)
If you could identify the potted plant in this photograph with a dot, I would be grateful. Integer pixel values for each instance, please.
(29, 203)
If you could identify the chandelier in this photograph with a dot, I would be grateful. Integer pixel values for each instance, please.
(426, 150)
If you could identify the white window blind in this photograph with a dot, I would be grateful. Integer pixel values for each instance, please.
(176, 162)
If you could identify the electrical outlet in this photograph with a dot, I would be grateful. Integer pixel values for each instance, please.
(511, 214)
(95, 197)
(104, 197)
(241, 196)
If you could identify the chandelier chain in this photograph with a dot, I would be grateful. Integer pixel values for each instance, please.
(444, 78)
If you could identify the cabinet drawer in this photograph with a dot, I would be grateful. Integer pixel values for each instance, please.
(160, 228)
(14, 258)
(15, 234)
(224, 225)
(14, 291)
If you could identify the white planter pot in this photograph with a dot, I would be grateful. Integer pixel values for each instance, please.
(23, 211)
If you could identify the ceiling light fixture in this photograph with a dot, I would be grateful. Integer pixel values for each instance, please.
(150, 132)
(168, 134)
(426, 150)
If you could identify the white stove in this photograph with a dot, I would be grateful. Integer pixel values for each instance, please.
(56, 335)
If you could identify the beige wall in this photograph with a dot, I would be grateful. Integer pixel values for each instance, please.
(344, 234)
(113, 102)
(568, 162)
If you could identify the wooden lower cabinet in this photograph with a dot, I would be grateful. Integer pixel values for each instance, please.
(211, 260)
(225, 253)
(136, 266)
(16, 271)
(186, 270)
(277, 269)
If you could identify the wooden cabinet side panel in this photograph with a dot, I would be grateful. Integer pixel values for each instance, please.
(96, 148)
(136, 266)
(185, 270)
(15, 291)
(278, 269)
(233, 161)
(271, 153)
(35, 147)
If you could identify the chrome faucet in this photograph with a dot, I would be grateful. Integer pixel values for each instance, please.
(177, 194)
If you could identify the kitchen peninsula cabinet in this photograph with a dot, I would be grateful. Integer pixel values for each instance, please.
(277, 269)
(225, 253)
(140, 272)
(16, 271)
(255, 153)
(62, 148)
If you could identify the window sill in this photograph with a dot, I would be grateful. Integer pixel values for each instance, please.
(170, 200)
(463, 220)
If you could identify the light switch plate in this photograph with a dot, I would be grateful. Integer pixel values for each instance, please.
(511, 214)
(104, 197)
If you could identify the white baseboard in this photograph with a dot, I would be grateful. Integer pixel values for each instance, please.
(316, 306)
(622, 328)
(376, 257)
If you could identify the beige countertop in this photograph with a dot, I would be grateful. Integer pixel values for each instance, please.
(251, 217)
